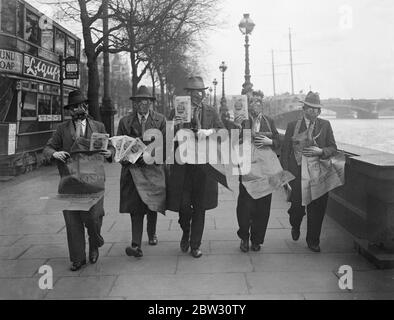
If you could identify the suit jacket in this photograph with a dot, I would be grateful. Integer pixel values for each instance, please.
(63, 139)
(247, 124)
(205, 193)
(130, 126)
(64, 136)
(325, 141)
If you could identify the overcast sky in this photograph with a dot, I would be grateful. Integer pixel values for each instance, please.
(344, 48)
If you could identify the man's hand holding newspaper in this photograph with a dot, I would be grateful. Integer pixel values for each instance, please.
(128, 149)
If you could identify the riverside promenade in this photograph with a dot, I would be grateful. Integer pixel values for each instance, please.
(283, 269)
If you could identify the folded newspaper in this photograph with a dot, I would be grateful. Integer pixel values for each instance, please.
(125, 148)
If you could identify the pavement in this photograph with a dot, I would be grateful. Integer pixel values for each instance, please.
(283, 269)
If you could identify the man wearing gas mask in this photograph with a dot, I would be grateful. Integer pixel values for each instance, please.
(191, 191)
(59, 148)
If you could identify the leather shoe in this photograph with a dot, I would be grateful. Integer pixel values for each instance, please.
(314, 248)
(134, 252)
(244, 246)
(295, 234)
(185, 244)
(77, 265)
(196, 253)
(153, 240)
(93, 255)
(255, 247)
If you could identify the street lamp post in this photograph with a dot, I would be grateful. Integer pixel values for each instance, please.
(215, 83)
(246, 27)
(223, 69)
(107, 111)
(210, 96)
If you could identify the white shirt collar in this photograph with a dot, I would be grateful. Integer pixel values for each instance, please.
(140, 116)
(307, 121)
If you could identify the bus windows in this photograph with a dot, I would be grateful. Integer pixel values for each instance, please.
(47, 39)
(60, 39)
(31, 28)
(29, 104)
(8, 13)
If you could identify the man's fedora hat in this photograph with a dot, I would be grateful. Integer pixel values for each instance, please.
(143, 93)
(195, 83)
(75, 97)
(312, 99)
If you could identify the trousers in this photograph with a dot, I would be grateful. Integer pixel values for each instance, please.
(192, 212)
(76, 221)
(137, 222)
(315, 216)
(253, 216)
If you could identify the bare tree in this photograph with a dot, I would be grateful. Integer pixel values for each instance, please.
(152, 30)
(90, 14)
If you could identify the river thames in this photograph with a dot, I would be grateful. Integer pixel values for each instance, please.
(375, 134)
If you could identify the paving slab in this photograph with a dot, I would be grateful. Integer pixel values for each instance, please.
(307, 262)
(215, 264)
(232, 247)
(284, 296)
(82, 287)
(55, 251)
(14, 251)
(6, 241)
(20, 268)
(164, 248)
(180, 284)
(21, 289)
(292, 282)
(131, 265)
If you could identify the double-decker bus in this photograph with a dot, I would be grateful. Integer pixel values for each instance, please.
(32, 93)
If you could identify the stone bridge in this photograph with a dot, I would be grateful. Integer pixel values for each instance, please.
(364, 109)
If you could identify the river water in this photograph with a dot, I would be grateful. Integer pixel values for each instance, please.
(375, 134)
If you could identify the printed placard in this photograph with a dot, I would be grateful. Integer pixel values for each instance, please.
(39, 68)
(183, 108)
(10, 61)
(11, 138)
(99, 141)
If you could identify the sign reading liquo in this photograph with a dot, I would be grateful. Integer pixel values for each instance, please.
(36, 67)
(10, 61)
(72, 68)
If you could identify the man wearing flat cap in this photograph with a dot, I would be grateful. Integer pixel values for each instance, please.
(190, 190)
(142, 185)
(59, 148)
(311, 137)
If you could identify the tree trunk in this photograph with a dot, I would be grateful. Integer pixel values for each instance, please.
(93, 88)
(134, 74)
(162, 96)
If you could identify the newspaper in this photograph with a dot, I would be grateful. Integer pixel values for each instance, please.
(237, 106)
(183, 108)
(124, 146)
(266, 173)
(320, 176)
(99, 141)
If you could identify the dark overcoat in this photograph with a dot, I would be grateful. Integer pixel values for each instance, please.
(206, 190)
(63, 139)
(130, 126)
(64, 136)
(325, 140)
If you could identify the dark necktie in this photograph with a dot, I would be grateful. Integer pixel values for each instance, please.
(310, 130)
(196, 118)
(143, 122)
(78, 129)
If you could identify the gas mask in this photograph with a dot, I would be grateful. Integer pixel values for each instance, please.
(79, 112)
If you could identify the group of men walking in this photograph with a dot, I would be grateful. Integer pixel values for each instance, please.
(146, 189)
